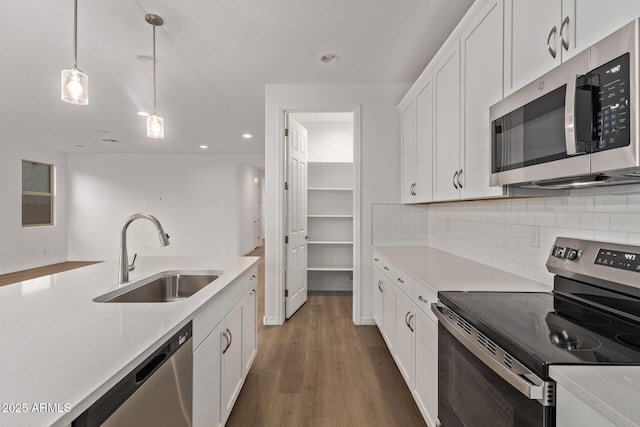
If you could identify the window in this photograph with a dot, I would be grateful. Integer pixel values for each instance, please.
(37, 193)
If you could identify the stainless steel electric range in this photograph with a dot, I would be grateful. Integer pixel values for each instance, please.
(495, 348)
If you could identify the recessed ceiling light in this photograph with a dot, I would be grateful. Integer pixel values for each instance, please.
(330, 58)
(204, 146)
(143, 113)
(80, 145)
(247, 136)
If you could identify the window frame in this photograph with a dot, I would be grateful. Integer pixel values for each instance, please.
(49, 194)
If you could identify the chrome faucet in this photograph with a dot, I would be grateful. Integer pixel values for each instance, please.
(123, 263)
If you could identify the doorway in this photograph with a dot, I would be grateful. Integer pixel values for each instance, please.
(321, 146)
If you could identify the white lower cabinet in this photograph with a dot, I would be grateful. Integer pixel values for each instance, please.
(426, 370)
(206, 380)
(404, 337)
(222, 360)
(410, 331)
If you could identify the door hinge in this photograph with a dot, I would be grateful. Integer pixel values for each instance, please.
(286, 132)
(286, 240)
(286, 185)
(286, 293)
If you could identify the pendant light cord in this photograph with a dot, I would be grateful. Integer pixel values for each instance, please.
(75, 34)
(154, 69)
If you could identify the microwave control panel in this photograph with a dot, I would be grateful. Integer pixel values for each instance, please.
(611, 104)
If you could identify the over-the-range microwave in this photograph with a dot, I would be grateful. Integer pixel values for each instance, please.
(575, 126)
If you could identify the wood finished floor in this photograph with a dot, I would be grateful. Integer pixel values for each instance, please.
(319, 369)
(32, 273)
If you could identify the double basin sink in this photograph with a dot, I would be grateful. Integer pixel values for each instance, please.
(163, 287)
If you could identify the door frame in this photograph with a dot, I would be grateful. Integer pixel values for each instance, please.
(276, 250)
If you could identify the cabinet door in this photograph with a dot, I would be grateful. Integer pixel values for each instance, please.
(594, 20)
(423, 188)
(405, 319)
(249, 328)
(378, 298)
(482, 83)
(389, 314)
(231, 363)
(447, 132)
(426, 354)
(529, 24)
(206, 380)
(408, 139)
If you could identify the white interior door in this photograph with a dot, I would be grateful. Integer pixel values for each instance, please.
(296, 197)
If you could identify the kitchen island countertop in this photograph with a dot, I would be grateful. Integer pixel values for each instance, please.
(62, 351)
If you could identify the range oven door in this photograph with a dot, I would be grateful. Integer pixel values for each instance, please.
(472, 394)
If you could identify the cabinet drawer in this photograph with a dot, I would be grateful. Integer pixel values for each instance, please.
(423, 298)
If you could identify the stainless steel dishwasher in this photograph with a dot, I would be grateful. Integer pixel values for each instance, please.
(158, 392)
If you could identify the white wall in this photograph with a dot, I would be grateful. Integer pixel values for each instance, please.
(248, 208)
(379, 172)
(329, 141)
(195, 197)
(28, 247)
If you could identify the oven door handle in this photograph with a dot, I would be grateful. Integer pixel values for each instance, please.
(521, 381)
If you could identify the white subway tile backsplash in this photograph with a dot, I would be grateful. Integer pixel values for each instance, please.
(496, 232)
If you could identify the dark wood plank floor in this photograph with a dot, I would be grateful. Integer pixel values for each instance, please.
(319, 369)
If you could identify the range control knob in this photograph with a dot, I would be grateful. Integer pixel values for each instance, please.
(571, 254)
(559, 251)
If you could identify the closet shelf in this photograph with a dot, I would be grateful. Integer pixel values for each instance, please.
(329, 216)
(330, 242)
(328, 268)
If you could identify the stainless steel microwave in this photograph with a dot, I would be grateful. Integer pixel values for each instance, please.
(577, 125)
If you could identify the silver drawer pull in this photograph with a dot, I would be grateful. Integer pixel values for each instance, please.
(400, 280)
(422, 299)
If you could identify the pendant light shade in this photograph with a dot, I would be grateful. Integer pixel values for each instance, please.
(155, 123)
(155, 126)
(74, 84)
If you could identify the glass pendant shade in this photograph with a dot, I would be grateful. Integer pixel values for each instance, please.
(74, 87)
(155, 126)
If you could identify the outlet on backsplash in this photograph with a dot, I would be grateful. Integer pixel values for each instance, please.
(534, 236)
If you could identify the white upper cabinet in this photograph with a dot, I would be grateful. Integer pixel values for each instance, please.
(533, 40)
(423, 189)
(408, 137)
(595, 19)
(446, 78)
(481, 47)
(544, 33)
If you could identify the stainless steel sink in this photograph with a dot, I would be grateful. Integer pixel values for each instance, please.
(163, 287)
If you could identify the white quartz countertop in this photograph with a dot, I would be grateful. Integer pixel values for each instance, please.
(613, 391)
(61, 349)
(442, 271)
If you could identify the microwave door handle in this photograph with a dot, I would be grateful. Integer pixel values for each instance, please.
(569, 117)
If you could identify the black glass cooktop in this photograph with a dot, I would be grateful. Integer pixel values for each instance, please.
(542, 329)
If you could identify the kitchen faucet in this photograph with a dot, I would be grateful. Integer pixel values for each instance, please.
(123, 263)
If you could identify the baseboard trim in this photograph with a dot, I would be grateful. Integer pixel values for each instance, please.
(271, 321)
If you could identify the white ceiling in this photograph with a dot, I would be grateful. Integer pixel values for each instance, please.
(214, 59)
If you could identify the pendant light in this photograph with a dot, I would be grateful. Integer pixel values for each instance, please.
(74, 84)
(155, 123)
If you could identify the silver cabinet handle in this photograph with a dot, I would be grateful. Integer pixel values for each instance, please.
(253, 277)
(409, 322)
(376, 259)
(386, 268)
(552, 50)
(454, 180)
(422, 299)
(458, 179)
(379, 286)
(253, 291)
(564, 42)
(400, 280)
